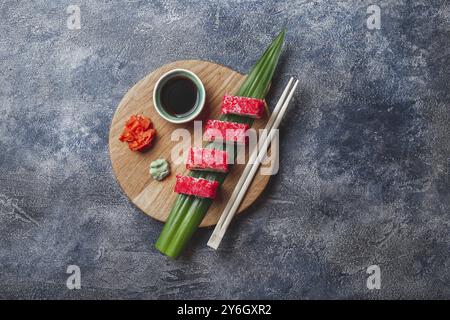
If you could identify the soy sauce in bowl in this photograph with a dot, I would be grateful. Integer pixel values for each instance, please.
(179, 96)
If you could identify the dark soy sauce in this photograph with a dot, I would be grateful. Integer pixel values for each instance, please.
(179, 96)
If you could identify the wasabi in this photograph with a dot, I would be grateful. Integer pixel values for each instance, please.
(159, 169)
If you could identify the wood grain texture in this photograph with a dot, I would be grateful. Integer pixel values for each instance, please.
(132, 168)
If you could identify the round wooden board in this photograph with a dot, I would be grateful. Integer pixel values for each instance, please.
(132, 168)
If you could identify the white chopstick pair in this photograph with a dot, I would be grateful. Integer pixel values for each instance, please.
(252, 166)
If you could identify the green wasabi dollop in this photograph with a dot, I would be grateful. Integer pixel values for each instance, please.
(159, 169)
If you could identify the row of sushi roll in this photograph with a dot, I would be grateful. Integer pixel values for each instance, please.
(213, 159)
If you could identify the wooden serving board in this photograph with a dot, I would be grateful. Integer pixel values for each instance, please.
(132, 168)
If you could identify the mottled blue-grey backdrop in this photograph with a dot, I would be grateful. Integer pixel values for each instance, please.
(364, 175)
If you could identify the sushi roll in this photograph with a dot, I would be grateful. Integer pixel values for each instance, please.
(198, 187)
(216, 130)
(243, 106)
(207, 160)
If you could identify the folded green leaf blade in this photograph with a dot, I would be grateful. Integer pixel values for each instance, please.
(188, 211)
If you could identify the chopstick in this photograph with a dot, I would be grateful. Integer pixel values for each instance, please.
(252, 166)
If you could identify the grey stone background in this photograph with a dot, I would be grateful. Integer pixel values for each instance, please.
(364, 175)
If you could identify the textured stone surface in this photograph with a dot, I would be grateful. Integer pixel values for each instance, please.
(364, 175)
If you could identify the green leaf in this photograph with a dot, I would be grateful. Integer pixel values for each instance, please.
(188, 211)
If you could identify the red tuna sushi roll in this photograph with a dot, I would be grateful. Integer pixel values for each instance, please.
(207, 160)
(198, 187)
(225, 131)
(243, 106)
